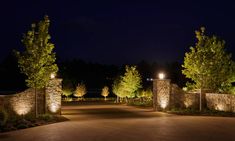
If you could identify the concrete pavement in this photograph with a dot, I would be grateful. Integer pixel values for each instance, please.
(125, 123)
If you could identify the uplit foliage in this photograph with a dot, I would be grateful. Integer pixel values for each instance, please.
(232, 90)
(147, 94)
(37, 62)
(67, 89)
(131, 81)
(117, 88)
(208, 65)
(105, 92)
(80, 90)
(67, 92)
(128, 84)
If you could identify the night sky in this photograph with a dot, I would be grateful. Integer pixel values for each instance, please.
(118, 32)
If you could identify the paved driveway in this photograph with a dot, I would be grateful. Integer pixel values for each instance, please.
(124, 123)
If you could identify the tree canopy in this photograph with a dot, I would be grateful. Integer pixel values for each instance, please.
(105, 92)
(148, 94)
(208, 64)
(80, 90)
(117, 88)
(37, 62)
(128, 84)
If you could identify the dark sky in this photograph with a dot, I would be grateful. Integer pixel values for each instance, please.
(116, 32)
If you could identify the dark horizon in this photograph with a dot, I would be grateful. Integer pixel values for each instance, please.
(119, 32)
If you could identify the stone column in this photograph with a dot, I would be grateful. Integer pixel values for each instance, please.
(53, 96)
(155, 94)
(161, 94)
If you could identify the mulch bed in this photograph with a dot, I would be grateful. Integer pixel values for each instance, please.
(25, 122)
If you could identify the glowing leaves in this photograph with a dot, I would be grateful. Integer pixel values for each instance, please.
(207, 64)
(105, 92)
(80, 90)
(128, 84)
(37, 62)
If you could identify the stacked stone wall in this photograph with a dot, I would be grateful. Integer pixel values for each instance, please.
(221, 102)
(176, 96)
(23, 103)
(180, 99)
(191, 100)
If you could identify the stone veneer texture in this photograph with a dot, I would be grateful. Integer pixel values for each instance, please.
(48, 100)
(221, 102)
(53, 96)
(163, 94)
(24, 102)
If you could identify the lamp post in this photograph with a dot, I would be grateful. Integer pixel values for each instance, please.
(161, 92)
(161, 76)
(52, 76)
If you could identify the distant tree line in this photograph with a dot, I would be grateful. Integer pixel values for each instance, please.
(94, 75)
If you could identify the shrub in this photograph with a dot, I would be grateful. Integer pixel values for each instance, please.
(145, 94)
(232, 90)
(68, 99)
(67, 92)
(3, 117)
(29, 117)
(46, 117)
(21, 126)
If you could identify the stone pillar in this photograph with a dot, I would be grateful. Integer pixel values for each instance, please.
(53, 96)
(155, 94)
(161, 94)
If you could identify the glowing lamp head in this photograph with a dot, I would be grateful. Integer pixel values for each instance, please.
(52, 76)
(161, 76)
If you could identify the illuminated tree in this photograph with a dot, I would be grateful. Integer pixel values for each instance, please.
(37, 62)
(131, 81)
(105, 92)
(80, 90)
(128, 84)
(207, 64)
(67, 92)
(117, 88)
(146, 94)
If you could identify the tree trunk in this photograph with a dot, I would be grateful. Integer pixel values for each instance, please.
(126, 100)
(116, 101)
(142, 99)
(45, 104)
(36, 103)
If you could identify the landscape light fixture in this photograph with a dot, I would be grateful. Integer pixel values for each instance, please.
(161, 76)
(52, 76)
